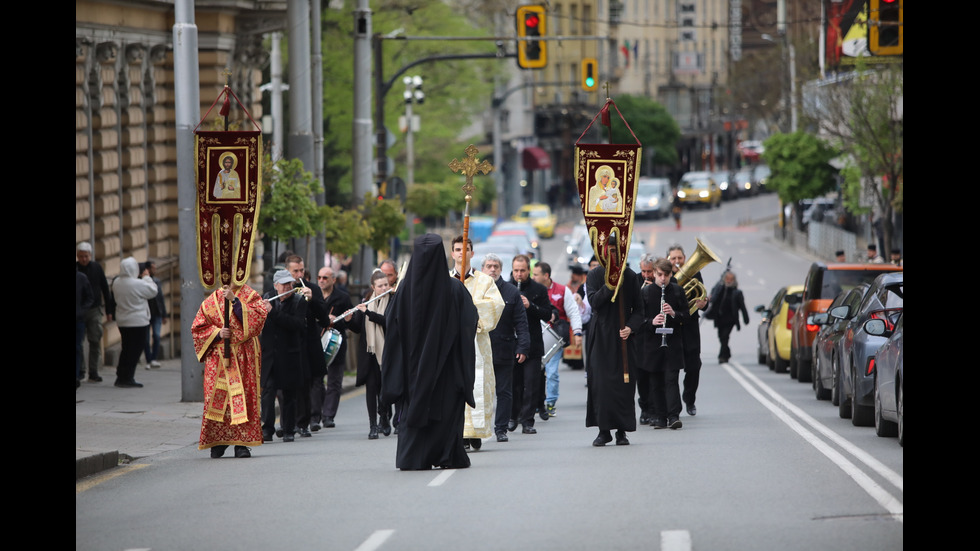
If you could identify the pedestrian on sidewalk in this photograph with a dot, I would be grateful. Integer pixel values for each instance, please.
(131, 291)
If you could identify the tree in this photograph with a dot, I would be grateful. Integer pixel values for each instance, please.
(653, 125)
(288, 210)
(800, 165)
(384, 221)
(863, 115)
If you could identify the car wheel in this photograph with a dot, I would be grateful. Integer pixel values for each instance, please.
(818, 389)
(861, 416)
(803, 373)
(762, 358)
(780, 365)
(843, 402)
(883, 427)
(901, 415)
(794, 364)
(834, 383)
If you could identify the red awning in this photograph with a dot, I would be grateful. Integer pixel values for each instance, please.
(535, 158)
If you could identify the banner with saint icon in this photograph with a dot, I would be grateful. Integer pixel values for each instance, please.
(607, 176)
(229, 189)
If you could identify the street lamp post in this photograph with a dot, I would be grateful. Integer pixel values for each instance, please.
(413, 94)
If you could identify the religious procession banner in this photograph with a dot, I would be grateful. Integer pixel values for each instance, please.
(229, 190)
(607, 176)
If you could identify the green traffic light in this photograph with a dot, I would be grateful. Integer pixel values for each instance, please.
(590, 82)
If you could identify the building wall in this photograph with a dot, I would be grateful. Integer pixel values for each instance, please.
(125, 127)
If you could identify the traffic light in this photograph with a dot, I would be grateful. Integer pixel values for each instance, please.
(590, 74)
(531, 54)
(886, 27)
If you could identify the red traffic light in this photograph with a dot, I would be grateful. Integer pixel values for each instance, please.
(531, 21)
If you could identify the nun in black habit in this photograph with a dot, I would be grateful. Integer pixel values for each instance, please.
(428, 363)
(609, 402)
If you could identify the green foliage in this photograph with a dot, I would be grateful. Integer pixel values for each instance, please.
(288, 210)
(384, 220)
(652, 124)
(455, 90)
(345, 229)
(800, 164)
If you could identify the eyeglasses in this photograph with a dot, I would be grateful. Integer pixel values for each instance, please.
(324, 277)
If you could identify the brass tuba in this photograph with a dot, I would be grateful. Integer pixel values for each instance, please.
(693, 289)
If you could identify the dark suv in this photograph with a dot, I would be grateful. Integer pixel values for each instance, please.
(823, 283)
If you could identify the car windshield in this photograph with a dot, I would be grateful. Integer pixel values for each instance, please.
(698, 184)
(648, 188)
(536, 213)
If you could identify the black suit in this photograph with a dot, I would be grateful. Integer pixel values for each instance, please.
(316, 318)
(507, 340)
(692, 350)
(527, 380)
(324, 400)
(283, 366)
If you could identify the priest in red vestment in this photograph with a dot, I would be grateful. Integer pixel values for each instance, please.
(231, 392)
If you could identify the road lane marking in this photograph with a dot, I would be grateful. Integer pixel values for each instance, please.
(375, 540)
(675, 540)
(889, 502)
(442, 477)
(94, 481)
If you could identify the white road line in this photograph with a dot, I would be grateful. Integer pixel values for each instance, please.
(442, 477)
(889, 502)
(675, 540)
(375, 540)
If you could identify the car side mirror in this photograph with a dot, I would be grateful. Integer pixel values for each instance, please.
(818, 319)
(840, 312)
(875, 327)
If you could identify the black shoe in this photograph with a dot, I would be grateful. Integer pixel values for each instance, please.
(385, 425)
(218, 451)
(645, 419)
(279, 432)
(477, 443)
(315, 426)
(128, 384)
(543, 413)
(288, 438)
(659, 424)
(328, 423)
(603, 439)
(267, 437)
(502, 436)
(529, 430)
(466, 444)
(621, 439)
(242, 451)
(94, 379)
(675, 423)
(373, 434)
(691, 410)
(512, 425)
(304, 432)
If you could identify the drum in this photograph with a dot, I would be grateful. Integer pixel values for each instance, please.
(552, 342)
(331, 340)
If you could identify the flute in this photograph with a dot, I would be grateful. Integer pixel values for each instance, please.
(366, 302)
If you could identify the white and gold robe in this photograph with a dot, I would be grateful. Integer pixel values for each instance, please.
(490, 305)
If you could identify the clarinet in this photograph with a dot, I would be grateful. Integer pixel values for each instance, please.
(663, 299)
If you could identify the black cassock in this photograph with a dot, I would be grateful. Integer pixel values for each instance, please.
(429, 360)
(610, 402)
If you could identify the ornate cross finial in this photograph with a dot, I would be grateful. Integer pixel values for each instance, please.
(469, 167)
(227, 75)
(606, 86)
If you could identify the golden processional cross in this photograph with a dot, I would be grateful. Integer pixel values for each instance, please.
(468, 167)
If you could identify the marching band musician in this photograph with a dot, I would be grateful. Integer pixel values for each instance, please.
(663, 354)
(283, 346)
(692, 333)
(369, 320)
(324, 399)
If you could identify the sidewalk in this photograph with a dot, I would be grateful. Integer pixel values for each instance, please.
(118, 425)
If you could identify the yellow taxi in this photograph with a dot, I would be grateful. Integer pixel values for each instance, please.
(699, 189)
(540, 216)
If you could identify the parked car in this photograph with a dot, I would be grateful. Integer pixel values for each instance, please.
(816, 209)
(889, 379)
(883, 301)
(652, 198)
(699, 189)
(823, 283)
(540, 216)
(826, 353)
(774, 330)
(723, 178)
